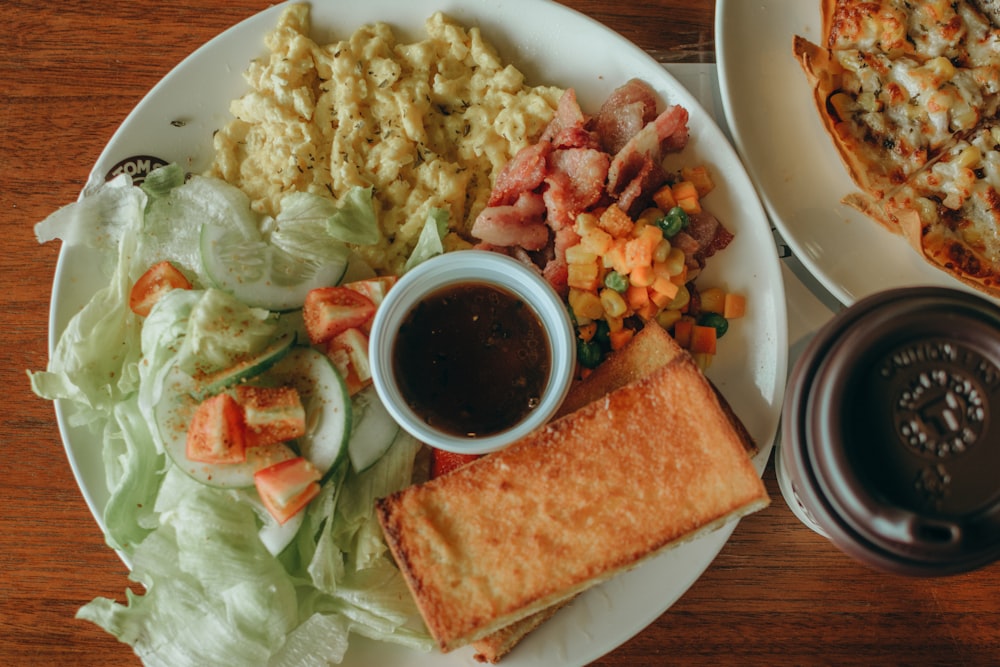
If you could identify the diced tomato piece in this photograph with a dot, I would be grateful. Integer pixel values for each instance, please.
(355, 343)
(349, 352)
(443, 462)
(342, 362)
(271, 414)
(153, 284)
(287, 487)
(375, 289)
(216, 433)
(330, 310)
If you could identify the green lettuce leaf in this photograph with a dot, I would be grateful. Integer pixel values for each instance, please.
(431, 240)
(350, 219)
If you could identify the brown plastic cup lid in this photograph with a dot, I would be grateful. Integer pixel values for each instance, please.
(892, 431)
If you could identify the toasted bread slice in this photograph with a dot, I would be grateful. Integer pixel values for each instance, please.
(650, 465)
(649, 350)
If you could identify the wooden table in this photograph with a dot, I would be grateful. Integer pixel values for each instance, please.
(69, 74)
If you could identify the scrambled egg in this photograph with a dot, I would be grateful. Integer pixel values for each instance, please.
(426, 124)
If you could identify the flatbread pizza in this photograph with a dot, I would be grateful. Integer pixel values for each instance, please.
(909, 92)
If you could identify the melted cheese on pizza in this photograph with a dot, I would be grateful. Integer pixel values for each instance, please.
(933, 28)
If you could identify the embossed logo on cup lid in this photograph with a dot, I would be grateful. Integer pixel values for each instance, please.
(890, 436)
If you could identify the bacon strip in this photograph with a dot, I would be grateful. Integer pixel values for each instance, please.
(518, 224)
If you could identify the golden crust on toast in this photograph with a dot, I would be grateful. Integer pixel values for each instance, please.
(651, 464)
(650, 349)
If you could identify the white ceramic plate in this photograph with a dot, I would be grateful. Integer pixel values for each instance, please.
(800, 177)
(551, 44)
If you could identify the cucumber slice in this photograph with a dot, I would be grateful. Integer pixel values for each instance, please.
(374, 430)
(213, 383)
(275, 536)
(261, 274)
(173, 415)
(326, 401)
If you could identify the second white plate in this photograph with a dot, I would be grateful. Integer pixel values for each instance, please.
(790, 157)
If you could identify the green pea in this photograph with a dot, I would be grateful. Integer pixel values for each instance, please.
(673, 222)
(718, 322)
(603, 335)
(616, 281)
(588, 353)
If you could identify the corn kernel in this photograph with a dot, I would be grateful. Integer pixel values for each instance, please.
(613, 303)
(662, 251)
(577, 254)
(713, 300)
(667, 318)
(583, 276)
(682, 299)
(596, 240)
(585, 222)
(674, 261)
(649, 216)
(586, 305)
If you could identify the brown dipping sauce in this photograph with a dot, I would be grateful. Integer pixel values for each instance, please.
(472, 359)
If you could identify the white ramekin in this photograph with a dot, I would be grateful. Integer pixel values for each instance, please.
(483, 267)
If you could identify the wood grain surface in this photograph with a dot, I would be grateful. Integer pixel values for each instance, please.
(777, 594)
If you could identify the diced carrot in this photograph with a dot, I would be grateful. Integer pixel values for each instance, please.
(586, 331)
(660, 300)
(713, 300)
(615, 323)
(638, 254)
(620, 338)
(735, 306)
(615, 222)
(637, 297)
(666, 287)
(691, 205)
(700, 177)
(664, 198)
(683, 329)
(703, 339)
(615, 258)
(648, 311)
(642, 275)
(684, 190)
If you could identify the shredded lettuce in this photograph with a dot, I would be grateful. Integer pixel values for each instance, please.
(221, 330)
(431, 239)
(350, 219)
(209, 591)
